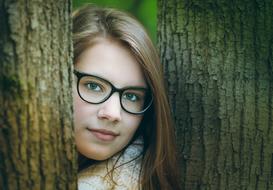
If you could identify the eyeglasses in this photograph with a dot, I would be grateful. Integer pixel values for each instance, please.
(95, 90)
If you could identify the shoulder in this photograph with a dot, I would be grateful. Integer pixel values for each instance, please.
(125, 175)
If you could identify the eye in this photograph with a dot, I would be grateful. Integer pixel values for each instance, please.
(131, 97)
(93, 86)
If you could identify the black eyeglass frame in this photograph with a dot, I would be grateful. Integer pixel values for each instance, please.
(114, 89)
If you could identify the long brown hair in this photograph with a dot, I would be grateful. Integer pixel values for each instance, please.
(159, 165)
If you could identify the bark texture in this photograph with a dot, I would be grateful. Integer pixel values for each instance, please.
(36, 129)
(217, 57)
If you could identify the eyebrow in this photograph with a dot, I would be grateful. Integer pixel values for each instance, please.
(100, 77)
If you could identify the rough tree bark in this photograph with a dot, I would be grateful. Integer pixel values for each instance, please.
(36, 129)
(218, 65)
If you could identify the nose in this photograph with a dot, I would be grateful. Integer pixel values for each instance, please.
(111, 109)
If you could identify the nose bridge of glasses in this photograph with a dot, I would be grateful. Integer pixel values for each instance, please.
(112, 104)
(115, 90)
(115, 94)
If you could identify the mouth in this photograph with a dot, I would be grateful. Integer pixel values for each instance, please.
(102, 134)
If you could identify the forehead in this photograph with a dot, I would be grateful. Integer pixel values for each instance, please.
(112, 61)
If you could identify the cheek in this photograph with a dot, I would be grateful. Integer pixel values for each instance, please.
(133, 122)
(77, 104)
(81, 110)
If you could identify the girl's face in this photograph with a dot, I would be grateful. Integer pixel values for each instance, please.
(101, 130)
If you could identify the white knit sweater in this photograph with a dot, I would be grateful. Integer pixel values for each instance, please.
(126, 175)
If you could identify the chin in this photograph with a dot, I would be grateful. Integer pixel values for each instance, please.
(100, 157)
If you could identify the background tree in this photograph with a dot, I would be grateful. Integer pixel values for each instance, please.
(217, 57)
(36, 129)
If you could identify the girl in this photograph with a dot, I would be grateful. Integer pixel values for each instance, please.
(123, 129)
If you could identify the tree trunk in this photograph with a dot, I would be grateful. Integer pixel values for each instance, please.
(217, 57)
(36, 128)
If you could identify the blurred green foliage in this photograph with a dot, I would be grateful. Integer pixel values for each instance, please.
(143, 10)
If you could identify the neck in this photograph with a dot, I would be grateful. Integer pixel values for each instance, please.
(84, 162)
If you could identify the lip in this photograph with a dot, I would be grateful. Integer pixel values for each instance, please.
(102, 134)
